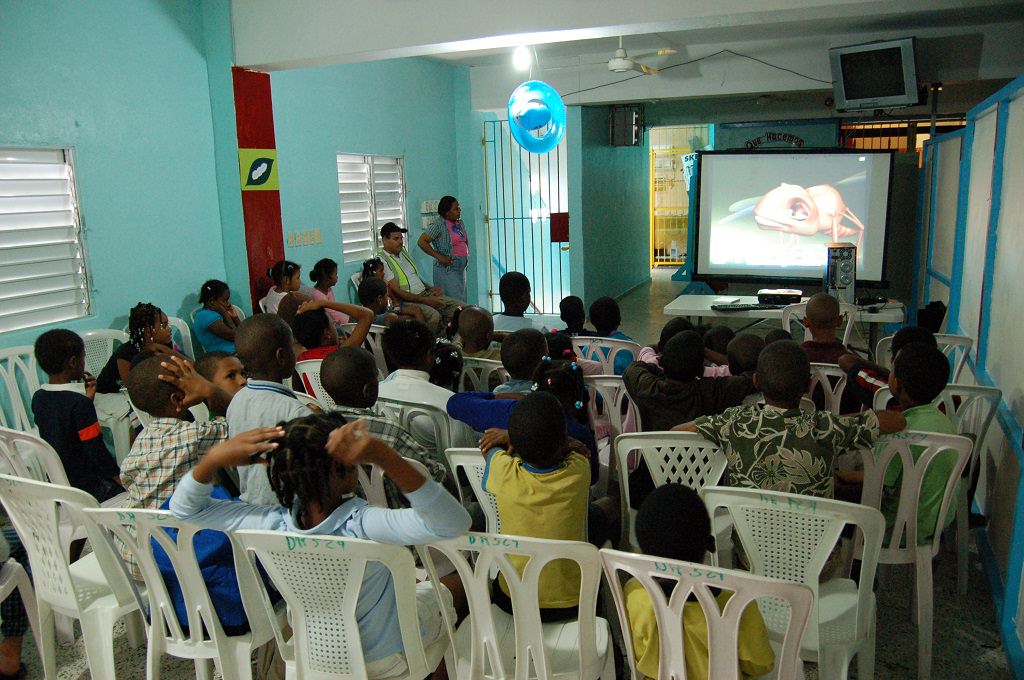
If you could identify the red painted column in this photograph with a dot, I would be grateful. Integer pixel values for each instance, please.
(261, 200)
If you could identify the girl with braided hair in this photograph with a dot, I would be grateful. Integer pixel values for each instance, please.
(313, 473)
(148, 331)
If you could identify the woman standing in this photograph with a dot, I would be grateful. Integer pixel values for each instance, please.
(446, 240)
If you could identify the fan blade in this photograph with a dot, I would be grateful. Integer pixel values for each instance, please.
(655, 53)
(645, 69)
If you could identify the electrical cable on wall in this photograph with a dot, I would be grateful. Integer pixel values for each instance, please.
(693, 61)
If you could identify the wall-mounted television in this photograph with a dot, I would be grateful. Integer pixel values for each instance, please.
(766, 216)
(875, 75)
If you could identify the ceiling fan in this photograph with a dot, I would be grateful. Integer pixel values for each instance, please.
(622, 62)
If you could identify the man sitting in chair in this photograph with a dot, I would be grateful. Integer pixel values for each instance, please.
(404, 280)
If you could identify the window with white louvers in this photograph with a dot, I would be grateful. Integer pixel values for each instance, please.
(371, 193)
(43, 276)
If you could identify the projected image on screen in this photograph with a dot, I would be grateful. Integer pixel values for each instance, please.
(771, 215)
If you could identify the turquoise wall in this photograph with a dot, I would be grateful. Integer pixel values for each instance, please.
(124, 84)
(614, 200)
(406, 107)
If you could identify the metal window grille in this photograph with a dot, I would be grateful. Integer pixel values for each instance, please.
(371, 192)
(43, 274)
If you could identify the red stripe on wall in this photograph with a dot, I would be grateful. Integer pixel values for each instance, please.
(254, 109)
(264, 237)
(264, 242)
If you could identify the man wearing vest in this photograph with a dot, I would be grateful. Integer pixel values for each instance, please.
(404, 280)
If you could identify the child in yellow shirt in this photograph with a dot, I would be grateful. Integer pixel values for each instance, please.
(673, 523)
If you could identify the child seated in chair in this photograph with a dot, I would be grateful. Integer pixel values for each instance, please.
(689, 540)
(319, 337)
(64, 413)
(264, 344)
(778, 447)
(312, 465)
(521, 354)
(918, 377)
(675, 326)
(514, 291)
(606, 317)
(223, 370)
(574, 314)
(823, 318)
(476, 334)
(541, 481)
(866, 378)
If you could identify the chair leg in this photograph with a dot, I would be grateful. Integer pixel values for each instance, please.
(235, 662)
(923, 589)
(47, 640)
(28, 599)
(866, 655)
(65, 629)
(204, 669)
(135, 627)
(98, 632)
(962, 539)
(154, 653)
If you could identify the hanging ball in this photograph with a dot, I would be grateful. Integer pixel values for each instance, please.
(533, 106)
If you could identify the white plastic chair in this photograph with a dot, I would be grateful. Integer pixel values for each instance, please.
(309, 372)
(604, 351)
(14, 577)
(800, 310)
(722, 624)
(263, 304)
(320, 578)
(616, 407)
(490, 639)
(955, 347)
(476, 374)
(20, 375)
(99, 347)
(202, 638)
(373, 343)
(353, 283)
(903, 546)
(806, 404)
(184, 336)
(671, 458)
(471, 461)
(372, 483)
(93, 589)
(971, 408)
(428, 425)
(790, 537)
(831, 380)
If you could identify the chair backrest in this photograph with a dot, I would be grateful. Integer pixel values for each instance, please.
(353, 286)
(430, 417)
(263, 304)
(723, 624)
(35, 509)
(184, 336)
(20, 375)
(373, 343)
(491, 552)
(671, 457)
(99, 347)
(831, 380)
(372, 483)
(476, 374)
(806, 404)
(320, 578)
(903, 445)
(791, 313)
(309, 372)
(604, 350)
(790, 537)
(955, 347)
(29, 456)
(472, 463)
(144, 417)
(615, 404)
(971, 408)
(137, 530)
(308, 400)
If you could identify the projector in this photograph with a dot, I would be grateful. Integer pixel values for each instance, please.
(779, 296)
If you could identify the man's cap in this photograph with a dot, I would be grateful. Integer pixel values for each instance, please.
(391, 228)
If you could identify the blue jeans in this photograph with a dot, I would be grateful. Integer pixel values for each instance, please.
(452, 280)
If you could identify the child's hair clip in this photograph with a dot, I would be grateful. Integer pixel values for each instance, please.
(567, 353)
(575, 366)
(545, 358)
(549, 381)
(437, 360)
(579, 405)
(533, 387)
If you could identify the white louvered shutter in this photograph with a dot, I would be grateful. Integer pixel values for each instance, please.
(357, 237)
(371, 191)
(43, 277)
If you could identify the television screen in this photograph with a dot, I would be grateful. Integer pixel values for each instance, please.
(874, 75)
(767, 216)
